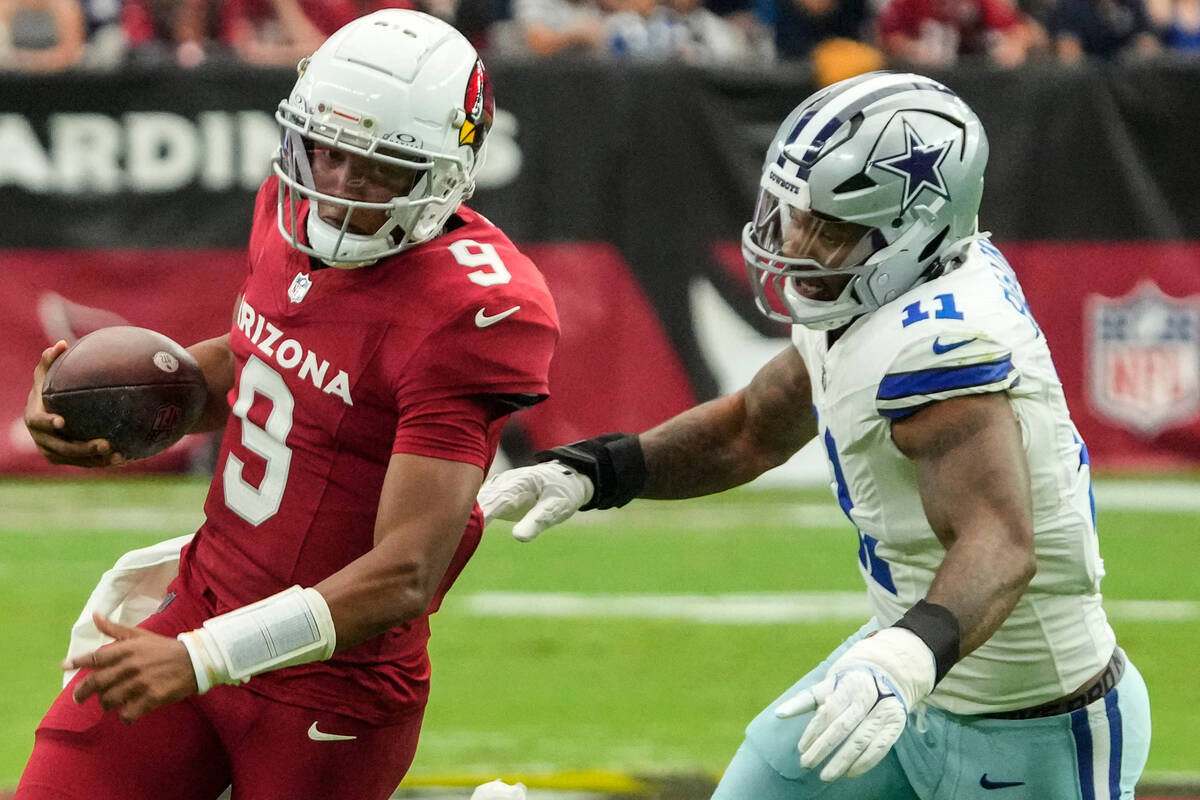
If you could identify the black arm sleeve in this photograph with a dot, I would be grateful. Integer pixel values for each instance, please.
(614, 463)
(938, 628)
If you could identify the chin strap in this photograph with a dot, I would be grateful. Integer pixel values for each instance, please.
(955, 253)
(353, 250)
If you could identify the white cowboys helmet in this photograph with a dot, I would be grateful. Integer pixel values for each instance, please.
(406, 91)
(870, 187)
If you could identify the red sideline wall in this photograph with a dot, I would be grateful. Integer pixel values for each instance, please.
(615, 365)
(1124, 328)
(1125, 334)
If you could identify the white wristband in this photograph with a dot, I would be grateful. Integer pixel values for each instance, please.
(289, 628)
(201, 665)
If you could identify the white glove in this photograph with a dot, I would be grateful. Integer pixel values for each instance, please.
(863, 702)
(499, 790)
(536, 498)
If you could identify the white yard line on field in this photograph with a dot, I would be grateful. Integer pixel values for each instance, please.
(766, 608)
(180, 509)
(1118, 495)
(69, 519)
(709, 515)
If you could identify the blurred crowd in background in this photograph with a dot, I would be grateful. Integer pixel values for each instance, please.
(838, 36)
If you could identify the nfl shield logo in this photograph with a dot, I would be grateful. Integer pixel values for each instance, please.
(299, 288)
(1144, 360)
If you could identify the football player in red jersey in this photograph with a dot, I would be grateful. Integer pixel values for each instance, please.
(382, 336)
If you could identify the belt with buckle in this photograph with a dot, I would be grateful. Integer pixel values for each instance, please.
(1085, 695)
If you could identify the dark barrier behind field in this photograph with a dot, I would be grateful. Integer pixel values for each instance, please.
(127, 197)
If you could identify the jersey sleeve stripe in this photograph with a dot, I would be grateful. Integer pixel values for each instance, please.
(933, 381)
(906, 411)
(922, 401)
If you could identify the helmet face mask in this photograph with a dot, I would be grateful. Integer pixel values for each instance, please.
(400, 101)
(804, 260)
(869, 188)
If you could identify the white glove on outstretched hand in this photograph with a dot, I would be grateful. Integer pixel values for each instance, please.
(536, 498)
(863, 702)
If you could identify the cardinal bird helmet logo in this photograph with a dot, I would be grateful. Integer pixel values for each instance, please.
(480, 106)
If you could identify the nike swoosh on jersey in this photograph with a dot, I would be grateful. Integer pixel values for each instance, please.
(985, 783)
(483, 319)
(939, 348)
(319, 736)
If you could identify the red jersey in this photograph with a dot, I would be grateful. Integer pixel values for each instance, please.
(337, 369)
(964, 25)
(325, 15)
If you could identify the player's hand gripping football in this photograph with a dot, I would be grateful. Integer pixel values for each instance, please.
(862, 704)
(44, 427)
(139, 672)
(536, 498)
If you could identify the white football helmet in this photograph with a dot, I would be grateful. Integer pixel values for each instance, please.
(870, 187)
(402, 89)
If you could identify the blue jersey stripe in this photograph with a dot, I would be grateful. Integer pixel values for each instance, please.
(1083, 752)
(1086, 460)
(843, 491)
(875, 566)
(902, 413)
(932, 381)
(1114, 745)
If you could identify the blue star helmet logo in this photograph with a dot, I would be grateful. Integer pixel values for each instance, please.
(919, 166)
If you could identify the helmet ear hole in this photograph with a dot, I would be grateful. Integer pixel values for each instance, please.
(934, 244)
(854, 183)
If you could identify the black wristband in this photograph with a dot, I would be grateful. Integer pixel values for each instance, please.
(937, 627)
(613, 462)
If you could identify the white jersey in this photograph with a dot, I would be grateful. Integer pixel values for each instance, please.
(967, 332)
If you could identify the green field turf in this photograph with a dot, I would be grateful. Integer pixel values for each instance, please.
(537, 695)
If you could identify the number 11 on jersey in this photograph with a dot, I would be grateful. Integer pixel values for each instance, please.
(945, 310)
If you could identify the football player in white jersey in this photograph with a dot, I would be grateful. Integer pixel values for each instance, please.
(988, 663)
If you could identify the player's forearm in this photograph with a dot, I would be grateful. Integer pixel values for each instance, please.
(982, 578)
(702, 451)
(391, 585)
(217, 363)
(975, 488)
(367, 600)
(425, 505)
(732, 440)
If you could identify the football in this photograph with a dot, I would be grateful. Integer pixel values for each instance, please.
(136, 388)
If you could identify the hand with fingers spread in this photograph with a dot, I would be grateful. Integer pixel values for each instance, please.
(44, 427)
(137, 673)
(536, 498)
(863, 703)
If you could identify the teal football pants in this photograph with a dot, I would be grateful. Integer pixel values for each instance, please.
(1094, 753)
